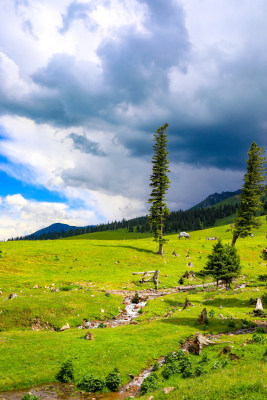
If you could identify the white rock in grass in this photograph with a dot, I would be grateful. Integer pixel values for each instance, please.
(65, 327)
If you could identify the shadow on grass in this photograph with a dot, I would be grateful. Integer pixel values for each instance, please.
(214, 325)
(229, 302)
(132, 248)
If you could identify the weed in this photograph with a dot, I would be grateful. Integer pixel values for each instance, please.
(102, 325)
(212, 314)
(199, 371)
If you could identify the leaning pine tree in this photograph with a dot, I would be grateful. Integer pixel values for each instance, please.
(160, 182)
(251, 193)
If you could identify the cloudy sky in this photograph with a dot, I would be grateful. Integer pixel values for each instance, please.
(85, 83)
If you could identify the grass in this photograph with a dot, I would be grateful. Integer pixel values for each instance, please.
(86, 269)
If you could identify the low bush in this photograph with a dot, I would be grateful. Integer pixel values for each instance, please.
(66, 372)
(170, 369)
(150, 383)
(258, 338)
(113, 380)
(90, 384)
(199, 371)
(155, 366)
(29, 396)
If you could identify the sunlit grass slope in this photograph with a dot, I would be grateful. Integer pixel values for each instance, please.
(84, 270)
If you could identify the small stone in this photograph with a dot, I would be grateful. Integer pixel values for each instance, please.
(167, 390)
(220, 316)
(102, 311)
(36, 287)
(12, 296)
(150, 398)
(221, 307)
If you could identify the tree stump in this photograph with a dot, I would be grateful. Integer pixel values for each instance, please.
(156, 279)
(195, 345)
(203, 319)
(187, 304)
(259, 308)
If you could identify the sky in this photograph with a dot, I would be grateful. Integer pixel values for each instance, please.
(84, 84)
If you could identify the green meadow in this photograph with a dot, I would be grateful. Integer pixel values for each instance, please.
(84, 269)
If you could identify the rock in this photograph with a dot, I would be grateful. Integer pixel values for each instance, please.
(150, 398)
(52, 289)
(228, 351)
(221, 307)
(190, 264)
(89, 336)
(57, 290)
(12, 296)
(131, 376)
(36, 287)
(65, 327)
(175, 254)
(1, 292)
(203, 317)
(102, 311)
(220, 316)
(167, 390)
(117, 262)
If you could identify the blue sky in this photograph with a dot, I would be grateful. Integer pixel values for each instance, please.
(85, 83)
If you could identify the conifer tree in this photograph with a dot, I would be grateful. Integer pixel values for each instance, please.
(251, 193)
(159, 181)
(223, 264)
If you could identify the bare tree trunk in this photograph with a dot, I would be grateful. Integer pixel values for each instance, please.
(235, 237)
(160, 252)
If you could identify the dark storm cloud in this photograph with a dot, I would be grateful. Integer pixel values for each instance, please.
(137, 64)
(77, 11)
(86, 145)
(134, 71)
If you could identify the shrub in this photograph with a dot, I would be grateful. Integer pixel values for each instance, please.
(169, 358)
(113, 380)
(212, 314)
(260, 329)
(221, 363)
(90, 384)
(102, 325)
(204, 359)
(66, 373)
(231, 324)
(29, 396)
(107, 294)
(185, 367)
(199, 370)
(65, 288)
(262, 278)
(170, 369)
(150, 383)
(258, 338)
(155, 366)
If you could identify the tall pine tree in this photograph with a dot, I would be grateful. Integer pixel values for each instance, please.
(251, 193)
(160, 182)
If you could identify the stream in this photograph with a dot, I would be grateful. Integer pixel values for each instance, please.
(64, 391)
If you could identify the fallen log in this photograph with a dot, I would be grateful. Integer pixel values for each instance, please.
(196, 344)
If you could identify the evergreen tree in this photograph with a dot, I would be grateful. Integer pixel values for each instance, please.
(251, 193)
(159, 181)
(223, 264)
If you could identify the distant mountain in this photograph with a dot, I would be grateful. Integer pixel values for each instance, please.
(55, 228)
(215, 198)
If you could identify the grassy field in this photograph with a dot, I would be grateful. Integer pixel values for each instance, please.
(83, 270)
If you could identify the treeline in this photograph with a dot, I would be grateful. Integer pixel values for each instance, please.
(177, 221)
